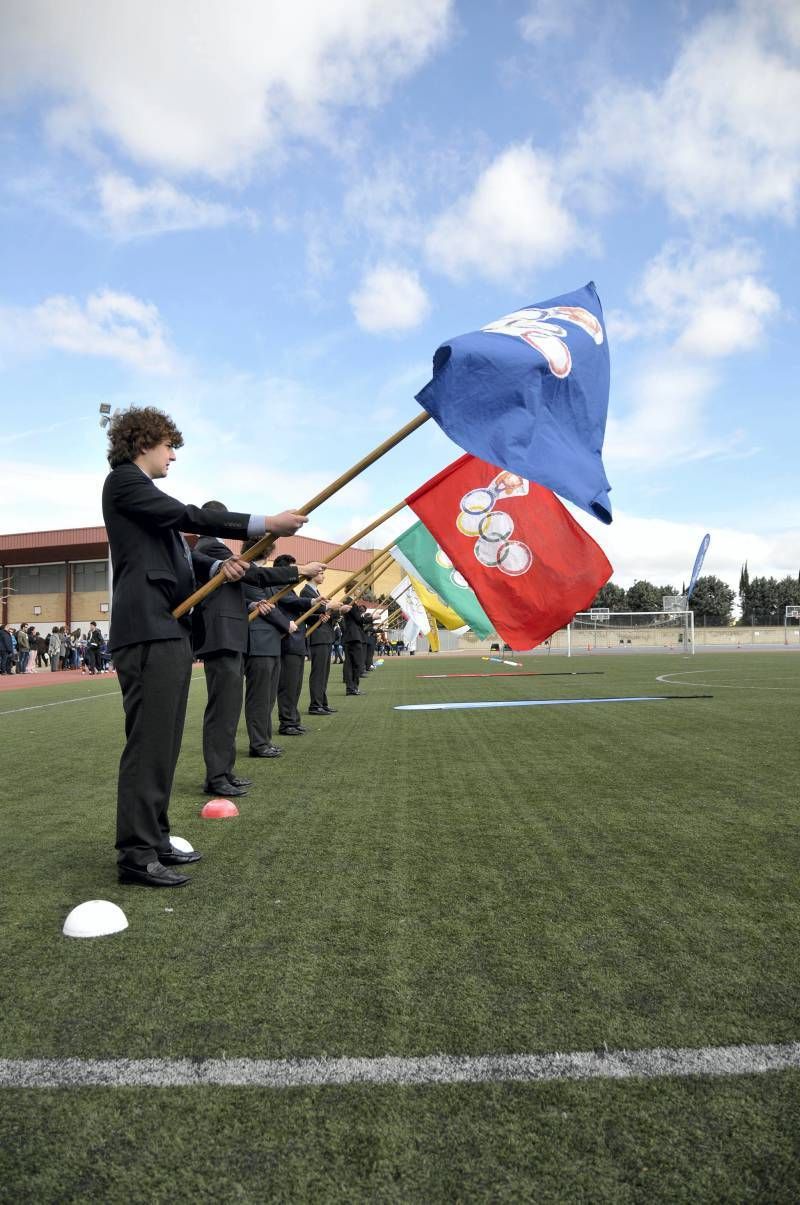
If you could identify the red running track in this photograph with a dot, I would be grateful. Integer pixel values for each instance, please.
(46, 677)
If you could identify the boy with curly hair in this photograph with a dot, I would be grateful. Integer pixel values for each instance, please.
(154, 571)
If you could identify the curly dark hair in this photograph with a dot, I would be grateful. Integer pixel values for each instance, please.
(137, 429)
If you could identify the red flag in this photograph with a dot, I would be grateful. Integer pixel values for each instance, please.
(530, 564)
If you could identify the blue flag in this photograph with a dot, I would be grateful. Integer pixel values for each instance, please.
(529, 392)
(698, 564)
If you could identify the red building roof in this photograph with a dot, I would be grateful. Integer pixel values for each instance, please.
(91, 544)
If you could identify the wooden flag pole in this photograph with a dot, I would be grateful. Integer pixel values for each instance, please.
(376, 569)
(381, 559)
(338, 551)
(268, 539)
(351, 582)
(339, 589)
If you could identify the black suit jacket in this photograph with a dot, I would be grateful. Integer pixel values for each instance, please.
(353, 625)
(221, 620)
(152, 566)
(265, 632)
(293, 607)
(324, 633)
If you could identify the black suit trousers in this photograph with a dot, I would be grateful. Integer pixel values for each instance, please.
(290, 684)
(154, 678)
(221, 718)
(320, 672)
(261, 690)
(353, 664)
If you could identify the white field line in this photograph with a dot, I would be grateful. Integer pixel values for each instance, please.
(525, 703)
(106, 694)
(389, 1070)
(673, 679)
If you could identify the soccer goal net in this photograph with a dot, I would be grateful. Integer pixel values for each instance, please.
(791, 622)
(620, 630)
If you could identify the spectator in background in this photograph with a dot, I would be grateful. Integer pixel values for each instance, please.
(54, 649)
(105, 656)
(41, 651)
(6, 649)
(337, 648)
(75, 653)
(93, 652)
(23, 649)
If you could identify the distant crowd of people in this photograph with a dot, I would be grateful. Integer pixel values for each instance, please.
(382, 645)
(24, 650)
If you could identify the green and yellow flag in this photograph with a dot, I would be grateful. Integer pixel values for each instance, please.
(437, 610)
(422, 558)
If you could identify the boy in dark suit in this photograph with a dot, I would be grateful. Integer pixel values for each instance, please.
(153, 572)
(354, 641)
(293, 658)
(319, 649)
(220, 641)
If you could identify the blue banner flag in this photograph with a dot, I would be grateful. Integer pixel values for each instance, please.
(698, 563)
(529, 393)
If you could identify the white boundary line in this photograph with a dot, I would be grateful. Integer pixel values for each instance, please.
(106, 694)
(669, 680)
(526, 703)
(61, 703)
(431, 1069)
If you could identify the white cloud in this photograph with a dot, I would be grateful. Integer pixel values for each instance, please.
(545, 21)
(662, 551)
(111, 325)
(695, 305)
(719, 137)
(709, 299)
(189, 87)
(128, 209)
(389, 298)
(513, 221)
(711, 296)
(667, 418)
(383, 204)
(47, 499)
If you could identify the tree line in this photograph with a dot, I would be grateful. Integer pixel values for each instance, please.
(763, 599)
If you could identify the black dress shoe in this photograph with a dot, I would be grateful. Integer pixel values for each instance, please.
(354, 692)
(155, 874)
(221, 786)
(179, 857)
(239, 782)
(265, 751)
(291, 731)
(275, 749)
(330, 711)
(317, 711)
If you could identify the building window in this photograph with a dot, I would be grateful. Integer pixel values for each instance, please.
(90, 577)
(38, 579)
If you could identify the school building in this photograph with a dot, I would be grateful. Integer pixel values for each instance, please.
(62, 578)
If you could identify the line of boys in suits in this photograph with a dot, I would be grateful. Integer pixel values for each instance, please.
(221, 642)
(153, 572)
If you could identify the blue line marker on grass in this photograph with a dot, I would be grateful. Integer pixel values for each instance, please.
(540, 702)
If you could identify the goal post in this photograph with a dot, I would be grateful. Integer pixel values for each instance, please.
(621, 630)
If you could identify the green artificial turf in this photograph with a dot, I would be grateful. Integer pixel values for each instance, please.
(469, 882)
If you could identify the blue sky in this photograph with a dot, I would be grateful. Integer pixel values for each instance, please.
(265, 218)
